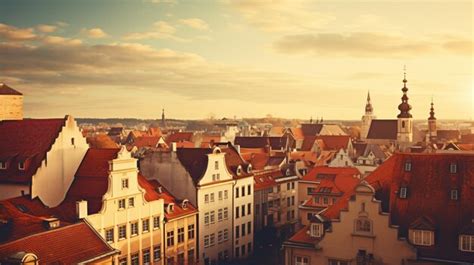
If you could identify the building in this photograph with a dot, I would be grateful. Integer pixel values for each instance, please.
(201, 175)
(11, 103)
(28, 239)
(39, 157)
(367, 118)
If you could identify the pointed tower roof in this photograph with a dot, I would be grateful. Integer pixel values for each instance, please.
(404, 107)
(432, 113)
(368, 106)
(6, 90)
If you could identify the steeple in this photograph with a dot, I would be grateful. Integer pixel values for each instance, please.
(163, 120)
(432, 131)
(368, 106)
(432, 113)
(404, 107)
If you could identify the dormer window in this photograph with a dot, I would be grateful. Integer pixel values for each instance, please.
(453, 168)
(249, 169)
(454, 194)
(239, 170)
(421, 237)
(170, 208)
(184, 205)
(403, 193)
(3, 165)
(21, 165)
(288, 172)
(407, 166)
(466, 243)
(316, 230)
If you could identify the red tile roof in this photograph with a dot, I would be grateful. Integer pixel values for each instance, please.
(6, 90)
(26, 141)
(101, 141)
(335, 142)
(71, 244)
(146, 141)
(252, 141)
(383, 129)
(302, 236)
(311, 129)
(233, 160)
(152, 194)
(429, 184)
(194, 160)
(265, 179)
(179, 137)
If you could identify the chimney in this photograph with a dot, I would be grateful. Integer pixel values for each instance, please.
(173, 147)
(81, 209)
(51, 223)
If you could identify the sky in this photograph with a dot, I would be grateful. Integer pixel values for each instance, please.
(238, 58)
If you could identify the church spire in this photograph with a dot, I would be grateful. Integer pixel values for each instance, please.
(368, 106)
(432, 113)
(163, 120)
(404, 107)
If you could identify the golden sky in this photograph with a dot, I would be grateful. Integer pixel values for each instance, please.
(247, 58)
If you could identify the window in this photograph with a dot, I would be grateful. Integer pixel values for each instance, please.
(243, 229)
(181, 259)
(288, 186)
(122, 232)
(236, 192)
(242, 189)
(453, 168)
(288, 201)
(363, 225)
(220, 195)
(170, 261)
(219, 215)
(301, 260)
(180, 235)
(212, 197)
(206, 241)
(249, 189)
(216, 165)
(191, 256)
(170, 238)
(220, 236)
(249, 247)
(403, 192)
(109, 235)
(237, 212)
(226, 234)
(226, 195)
(212, 239)
(226, 213)
(121, 204)
(125, 183)
(206, 218)
(135, 259)
(242, 249)
(157, 252)
(249, 227)
(131, 202)
(213, 217)
(206, 198)
(408, 166)
(292, 200)
(237, 231)
(316, 230)
(145, 225)
(3, 165)
(422, 237)
(146, 257)
(156, 222)
(466, 243)
(454, 195)
(134, 228)
(243, 210)
(325, 200)
(21, 165)
(191, 231)
(338, 262)
(249, 208)
(292, 185)
(237, 252)
(123, 260)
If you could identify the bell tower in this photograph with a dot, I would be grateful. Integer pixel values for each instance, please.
(405, 119)
(367, 118)
(432, 124)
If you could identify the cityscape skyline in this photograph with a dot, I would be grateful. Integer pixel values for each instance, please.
(295, 60)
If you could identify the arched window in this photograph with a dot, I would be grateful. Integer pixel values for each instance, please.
(363, 225)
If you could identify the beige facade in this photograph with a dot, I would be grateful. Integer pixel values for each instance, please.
(11, 107)
(243, 217)
(128, 222)
(184, 248)
(362, 231)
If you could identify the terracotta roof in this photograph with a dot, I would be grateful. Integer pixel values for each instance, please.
(154, 131)
(467, 138)
(179, 137)
(383, 129)
(265, 179)
(252, 141)
(448, 135)
(146, 141)
(233, 160)
(71, 244)
(429, 184)
(311, 129)
(101, 141)
(6, 90)
(152, 194)
(26, 141)
(302, 236)
(466, 147)
(297, 133)
(308, 143)
(334, 180)
(194, 160)
(335, 142)
(116, 131)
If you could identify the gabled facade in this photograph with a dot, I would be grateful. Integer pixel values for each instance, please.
(39, 157)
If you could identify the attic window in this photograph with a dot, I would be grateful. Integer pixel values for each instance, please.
(466, 243)
(3, 165)
(422, 237)
(249, 168)
(184, 205)
(288, 172)
(408, 166)
(21, 165)
(316, 230)
(453, 168)
(170, 207)
(403, 192)
(454, 194)
(239, 170)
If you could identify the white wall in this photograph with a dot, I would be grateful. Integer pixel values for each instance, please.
(53, 178)
(244, 201)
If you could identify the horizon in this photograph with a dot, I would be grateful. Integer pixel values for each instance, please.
(290, 59)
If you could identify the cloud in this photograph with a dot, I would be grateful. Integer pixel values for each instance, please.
(94, 33)
(195, 23)
(160, 30)
(163, 1)
(46, 28)
(281, 15)
(366, 44)
(57, 40)
(11, 33)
